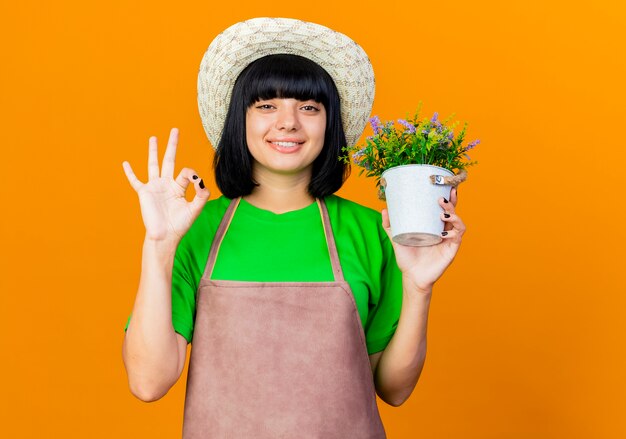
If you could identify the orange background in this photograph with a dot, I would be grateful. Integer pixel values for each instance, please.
(526, 333)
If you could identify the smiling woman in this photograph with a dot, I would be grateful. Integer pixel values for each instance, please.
(291, 296)
(274, 97)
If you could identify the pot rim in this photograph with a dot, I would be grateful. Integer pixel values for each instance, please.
(421, 165)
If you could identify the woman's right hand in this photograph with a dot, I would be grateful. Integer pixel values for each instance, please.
(167, 215)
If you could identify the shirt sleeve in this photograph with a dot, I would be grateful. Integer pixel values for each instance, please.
(384, 313)
(183, 293)
(189, 264)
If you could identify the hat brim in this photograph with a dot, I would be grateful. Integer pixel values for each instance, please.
(242, 43)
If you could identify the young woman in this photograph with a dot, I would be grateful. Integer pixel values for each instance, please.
(298, 306)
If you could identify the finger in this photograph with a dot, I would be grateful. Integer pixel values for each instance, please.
(134, 181)
(447, 219)
(452, 221)
(452, 235)
(186, 176)
(202, 196)
(448, 207)
(153, 159)
(170, 155)
(454, 196)
(386, 223)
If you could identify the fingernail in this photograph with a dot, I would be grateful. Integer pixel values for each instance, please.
(445, 201)
(444, 233)
(201, 184)
(195, 177)
(447, 215)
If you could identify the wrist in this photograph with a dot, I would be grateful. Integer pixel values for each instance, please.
(161, 247)
(416, 288)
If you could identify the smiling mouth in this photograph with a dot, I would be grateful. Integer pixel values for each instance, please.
(286, 144)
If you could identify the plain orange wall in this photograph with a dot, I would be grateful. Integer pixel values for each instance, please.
(526, 334)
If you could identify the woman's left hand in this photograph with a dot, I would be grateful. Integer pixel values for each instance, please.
(422, 266)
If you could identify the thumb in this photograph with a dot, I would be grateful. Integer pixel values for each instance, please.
(386, 223)
(202, 196)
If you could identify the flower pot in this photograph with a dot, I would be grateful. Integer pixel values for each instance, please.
(412, 203)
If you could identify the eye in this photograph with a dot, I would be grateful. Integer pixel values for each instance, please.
(264, 106)
(310, 108)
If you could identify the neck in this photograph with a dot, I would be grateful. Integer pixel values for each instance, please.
(280, 193)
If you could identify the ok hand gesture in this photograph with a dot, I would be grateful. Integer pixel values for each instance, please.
(166, 214)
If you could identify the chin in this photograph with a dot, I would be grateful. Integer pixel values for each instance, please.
(286, 168)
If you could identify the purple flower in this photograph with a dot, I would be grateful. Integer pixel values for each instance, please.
(359, 153)
(410, 128)
(473, 144)
(434, 119)
(362, 161)
(451, 135)
(375, 122)
(425, 132)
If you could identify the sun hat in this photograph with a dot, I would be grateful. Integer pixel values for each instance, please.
(244, 42)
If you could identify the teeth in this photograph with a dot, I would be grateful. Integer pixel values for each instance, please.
(286, 144)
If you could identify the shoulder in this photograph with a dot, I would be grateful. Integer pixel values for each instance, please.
(350, 216)
(343, 206)
(215, 207)
(347, 210)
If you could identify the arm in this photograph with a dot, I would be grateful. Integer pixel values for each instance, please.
(374, 359)
(400, 364)
(153, 354)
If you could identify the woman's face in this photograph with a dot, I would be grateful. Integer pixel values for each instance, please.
(285, 136)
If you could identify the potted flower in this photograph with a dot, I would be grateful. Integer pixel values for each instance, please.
(415, 162)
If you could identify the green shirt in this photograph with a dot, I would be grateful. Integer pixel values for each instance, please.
(291, 247)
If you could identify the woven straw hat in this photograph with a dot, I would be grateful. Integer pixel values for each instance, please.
(244, 42)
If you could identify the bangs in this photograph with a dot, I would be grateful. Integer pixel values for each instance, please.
(286, 76)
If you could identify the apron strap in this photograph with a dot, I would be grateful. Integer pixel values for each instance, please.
(228, 217)
(219, 236)
(330, 241)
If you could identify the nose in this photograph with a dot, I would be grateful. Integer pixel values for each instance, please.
(287, 118)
